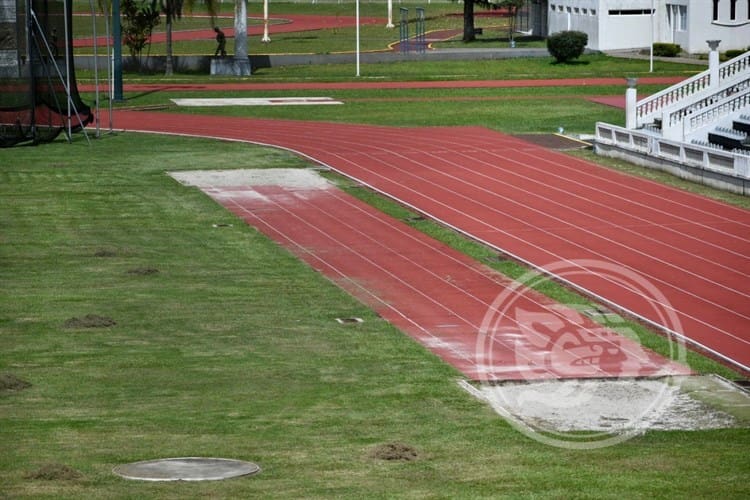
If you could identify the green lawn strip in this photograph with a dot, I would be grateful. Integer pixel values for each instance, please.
(544, 109)
(231, 350)
(589, 66)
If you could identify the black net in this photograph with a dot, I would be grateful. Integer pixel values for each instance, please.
(35, 104)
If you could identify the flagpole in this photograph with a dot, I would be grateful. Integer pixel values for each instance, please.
(651, 49)
(357, 20)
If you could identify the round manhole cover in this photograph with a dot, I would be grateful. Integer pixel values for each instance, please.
(186, 469)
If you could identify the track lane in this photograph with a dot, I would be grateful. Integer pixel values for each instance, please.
(384, 158)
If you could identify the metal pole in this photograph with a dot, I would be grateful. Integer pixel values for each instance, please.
(651, 48)
(96, 65)
(110, 82)
(357, 20)
(117, 50)
(389, 24)
(265, 38)
(67, 68)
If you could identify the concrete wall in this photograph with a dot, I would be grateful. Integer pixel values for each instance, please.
(717, 180)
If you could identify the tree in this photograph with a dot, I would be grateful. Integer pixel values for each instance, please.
(469, 34)
(140, 18)
(172, 10)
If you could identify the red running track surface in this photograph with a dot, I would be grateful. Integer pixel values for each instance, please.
(288, 24)
(437, 295)
(688, 256)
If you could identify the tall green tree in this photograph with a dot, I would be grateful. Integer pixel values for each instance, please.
(140, 18)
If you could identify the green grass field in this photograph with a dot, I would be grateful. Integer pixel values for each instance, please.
(224, 344)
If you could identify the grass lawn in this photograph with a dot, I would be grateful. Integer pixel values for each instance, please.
(220, 343)
(225, 345)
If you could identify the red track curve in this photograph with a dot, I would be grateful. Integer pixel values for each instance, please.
(292, 23)
(541, 207)
(441, 84)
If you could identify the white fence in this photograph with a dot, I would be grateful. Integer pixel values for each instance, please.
(655, 106)
(732, 166)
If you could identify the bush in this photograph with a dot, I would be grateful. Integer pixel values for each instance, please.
(567, 45)
(732, 53)
(666, 49)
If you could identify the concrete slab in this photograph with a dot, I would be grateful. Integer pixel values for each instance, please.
(256, 101)
(186, 469)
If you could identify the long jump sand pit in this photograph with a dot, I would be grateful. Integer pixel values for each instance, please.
(593, 413)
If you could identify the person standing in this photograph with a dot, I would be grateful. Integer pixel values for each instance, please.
(221, 43)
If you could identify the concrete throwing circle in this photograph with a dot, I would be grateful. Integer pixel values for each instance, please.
(186, 469)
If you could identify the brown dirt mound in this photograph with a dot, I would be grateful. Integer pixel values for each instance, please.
(54, 472)
(105, 252)
(9, 382)
(143, 271)
(90, 321)
(394, 451)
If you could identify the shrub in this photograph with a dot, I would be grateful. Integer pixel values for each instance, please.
(666, 49)
(567, 45)
(732, 53)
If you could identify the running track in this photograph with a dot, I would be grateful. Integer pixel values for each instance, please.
(440, 297)
(290, 24)
(541, 207)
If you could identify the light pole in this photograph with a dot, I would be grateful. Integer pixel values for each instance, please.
(265, 38)
(357, 21)
(651, 48)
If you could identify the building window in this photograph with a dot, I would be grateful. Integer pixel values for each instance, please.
(630, 12)
(677, 17)
(716, 10)
(732, 10)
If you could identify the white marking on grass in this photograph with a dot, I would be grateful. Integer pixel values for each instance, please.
(256, 101)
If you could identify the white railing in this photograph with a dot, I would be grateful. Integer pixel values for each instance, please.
(734, 67)
(654, 106)
(733, 164)
(679, 124)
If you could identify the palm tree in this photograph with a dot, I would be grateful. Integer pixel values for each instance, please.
(172, 10)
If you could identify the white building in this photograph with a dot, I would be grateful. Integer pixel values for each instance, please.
(630, 24)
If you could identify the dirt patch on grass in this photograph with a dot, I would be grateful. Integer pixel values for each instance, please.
(9, 382)
(143, 271)
(54, 472)
(105, 252)
(394, 451)
(90, 321)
